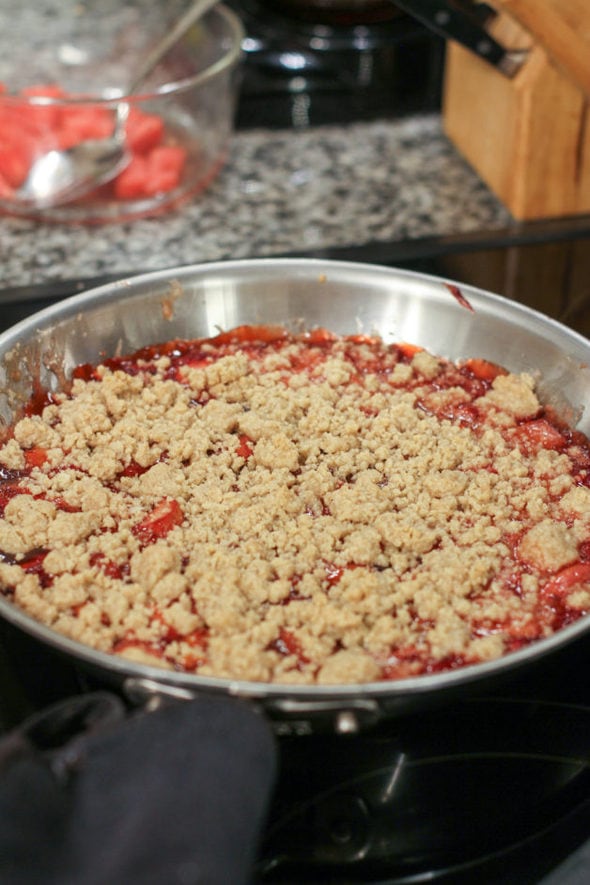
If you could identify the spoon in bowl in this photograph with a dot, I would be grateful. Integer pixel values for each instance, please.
(60, 176)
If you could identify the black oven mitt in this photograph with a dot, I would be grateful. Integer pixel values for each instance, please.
(93, 794)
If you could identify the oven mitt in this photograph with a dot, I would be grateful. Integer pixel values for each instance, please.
(90, 793)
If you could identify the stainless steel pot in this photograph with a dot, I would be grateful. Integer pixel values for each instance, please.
(346, 298)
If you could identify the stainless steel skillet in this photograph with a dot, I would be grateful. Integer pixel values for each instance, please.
(454, 321)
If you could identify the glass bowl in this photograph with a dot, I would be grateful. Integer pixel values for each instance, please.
(79, 58)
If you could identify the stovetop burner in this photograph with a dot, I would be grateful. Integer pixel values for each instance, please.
(309, 70)
(494, 789)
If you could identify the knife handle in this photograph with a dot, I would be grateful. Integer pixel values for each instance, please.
(563, 44)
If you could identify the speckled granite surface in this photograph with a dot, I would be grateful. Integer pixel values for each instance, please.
(281, 191)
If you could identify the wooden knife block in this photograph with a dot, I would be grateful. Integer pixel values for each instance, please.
(527, 137)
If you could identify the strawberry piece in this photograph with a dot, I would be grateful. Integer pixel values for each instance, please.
(464, 414)
(168, 157)
(162, 519)
(320, 337)
(408, 351)
(244, 448)
(161, 182)
(6, 191)
(333, 574)
(84, 124)
(14, 119)
(143, 131)
(249, 335)
(165, 168)
(14, 164)
(564, 581)
(130, 183)
(539, 434)
(36, 457)
(133, 469)
(288, 644)
(484, 370)
(27, 130)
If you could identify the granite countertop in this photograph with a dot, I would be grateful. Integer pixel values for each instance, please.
(280, 192)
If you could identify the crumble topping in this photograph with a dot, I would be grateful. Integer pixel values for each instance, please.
(297, 509)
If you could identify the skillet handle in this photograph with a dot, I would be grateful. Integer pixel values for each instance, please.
(150, 694)
(288, 716)
(295, 716)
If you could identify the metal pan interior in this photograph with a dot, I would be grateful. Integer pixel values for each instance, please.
(455, 322)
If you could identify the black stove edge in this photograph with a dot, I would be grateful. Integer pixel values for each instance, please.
(386, 252)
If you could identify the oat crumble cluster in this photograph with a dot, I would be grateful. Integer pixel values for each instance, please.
(297, 509)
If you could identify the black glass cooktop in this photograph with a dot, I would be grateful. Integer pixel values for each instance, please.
(494, 789)
(491, 788)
